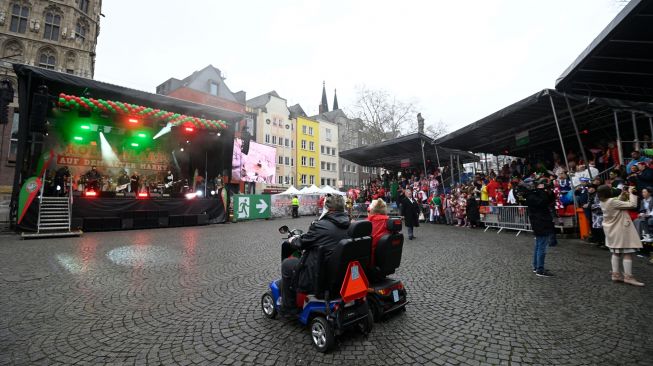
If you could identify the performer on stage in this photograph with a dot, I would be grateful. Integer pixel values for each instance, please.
(135, 182)
(168, 182)
(93, 179)
(123, 182)
(61, 180)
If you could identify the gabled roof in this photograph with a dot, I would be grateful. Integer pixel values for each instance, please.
(332, 115)
(262, 100)
(619, 62)
(296, 111)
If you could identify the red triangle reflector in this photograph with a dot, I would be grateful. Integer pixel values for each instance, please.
(355, 284)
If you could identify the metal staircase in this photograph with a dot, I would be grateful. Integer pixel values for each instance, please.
(55, 217)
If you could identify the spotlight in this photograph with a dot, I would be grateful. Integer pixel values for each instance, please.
(219, 134)
(182, 149)
(58, 187)
(212, 193)
(142, 195)
(199, 193)
(90, 194)
(191, 195)
(132, 120)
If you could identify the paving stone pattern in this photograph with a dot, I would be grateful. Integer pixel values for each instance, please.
(191, 296)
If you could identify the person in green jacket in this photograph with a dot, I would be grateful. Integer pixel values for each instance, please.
(295, 207)
(394, 190)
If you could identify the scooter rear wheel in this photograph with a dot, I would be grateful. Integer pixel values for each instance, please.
(321, 334)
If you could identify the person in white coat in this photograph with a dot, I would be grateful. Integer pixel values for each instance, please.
(621, 237)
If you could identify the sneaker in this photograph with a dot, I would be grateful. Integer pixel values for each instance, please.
(632, 281)
(534, 270)
(544, 273)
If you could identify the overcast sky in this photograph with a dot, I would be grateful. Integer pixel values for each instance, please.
(459, 60)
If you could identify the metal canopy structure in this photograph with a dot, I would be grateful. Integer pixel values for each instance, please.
(619, 62)
(407, 149)
(529, 126)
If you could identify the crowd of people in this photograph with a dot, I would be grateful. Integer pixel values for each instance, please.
(577, 185)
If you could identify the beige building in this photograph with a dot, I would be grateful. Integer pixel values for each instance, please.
(329, 167)
(56, 35)
(274, 127)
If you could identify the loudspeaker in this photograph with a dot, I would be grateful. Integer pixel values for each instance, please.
(127, 223)
(39, 112)
(190, 220)
(202, 219)
(175, 220)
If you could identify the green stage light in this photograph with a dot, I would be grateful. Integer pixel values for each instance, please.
(85, 127)
(78, 138)
(134, 144)
(142, 135)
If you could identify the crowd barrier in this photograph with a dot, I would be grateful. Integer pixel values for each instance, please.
(506, 217)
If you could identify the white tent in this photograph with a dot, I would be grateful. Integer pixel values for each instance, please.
(313, 190)
(291, 190)
(328, 189)
(304, 190)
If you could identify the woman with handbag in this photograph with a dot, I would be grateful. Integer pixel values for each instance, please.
(410, 210)
(620, 234)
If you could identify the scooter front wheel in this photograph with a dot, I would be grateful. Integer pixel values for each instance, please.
(267, 306)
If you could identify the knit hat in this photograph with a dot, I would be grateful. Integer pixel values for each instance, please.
(379, 206)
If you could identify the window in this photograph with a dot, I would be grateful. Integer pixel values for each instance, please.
(312, 179)
(13, 141)
(280, 180)
(47, 59)
(311, 146)
(287, 179)
(292, 180)
(303, 161)
(287, 142)
(267, 121)
(333, 167)
(304, 130)
(322, 165)
(280, 159)
(353, 168)
(80, 31)
(274, 140)
(303, 179)
(52, 25)
(310, 131)
(83, 5)
(280, 141)
(303, 144)
(267, 138)
(322, 149)
(213, 88)
(328, 134)
(292, 144)
(311, 162)
(322, 181)
(19, 15)
(292, 161)
(287, 160)
(333, 151)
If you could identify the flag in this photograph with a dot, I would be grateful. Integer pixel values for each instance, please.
(44, 162)
(27, 193)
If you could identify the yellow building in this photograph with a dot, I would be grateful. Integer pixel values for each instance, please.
(308, 157)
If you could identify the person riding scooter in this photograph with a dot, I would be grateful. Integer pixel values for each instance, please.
(300, 274)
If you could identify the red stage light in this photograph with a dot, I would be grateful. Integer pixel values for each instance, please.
(133, 120)
(142, 195)
(189, 129)
(90, 194)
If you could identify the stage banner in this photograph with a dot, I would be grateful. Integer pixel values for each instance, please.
(282, 205)
(258, 165)
(44, 162)
(252, 206)
(29, 190)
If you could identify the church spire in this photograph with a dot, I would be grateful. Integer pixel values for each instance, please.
(335, 100)
(324, 106)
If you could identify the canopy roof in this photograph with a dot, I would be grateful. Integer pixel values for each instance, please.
(389, 154)
(70, 84)
(499, 132)
(290, 190)
(619, 62)
(328, 189)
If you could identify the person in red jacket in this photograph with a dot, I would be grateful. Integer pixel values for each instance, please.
(492, 188)
(379, 218)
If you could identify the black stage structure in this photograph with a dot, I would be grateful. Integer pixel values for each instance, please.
(415, 150)
(206, 151)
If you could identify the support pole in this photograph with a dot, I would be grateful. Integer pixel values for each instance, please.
(437, 156)
(423, 156)
(562, 143)
(451, 169)
(580, 142)
(632, 116)
(487, 166)
(650, 126)
(619, 149)
(460, 177)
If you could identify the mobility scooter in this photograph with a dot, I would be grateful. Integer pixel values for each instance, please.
(387, 295)
(340, 300)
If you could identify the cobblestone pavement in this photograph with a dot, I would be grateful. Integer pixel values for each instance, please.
(191, 296)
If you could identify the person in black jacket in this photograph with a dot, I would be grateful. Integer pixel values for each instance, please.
(539, 201)
(410, 209)
(301, 274)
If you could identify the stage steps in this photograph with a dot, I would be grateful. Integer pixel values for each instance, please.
(54, 218)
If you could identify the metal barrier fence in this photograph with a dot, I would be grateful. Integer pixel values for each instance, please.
(506, 217)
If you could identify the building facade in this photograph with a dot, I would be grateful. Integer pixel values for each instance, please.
(206, 86)
(329, 165)
(307, 152)
(56, 35)
(275, 128)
